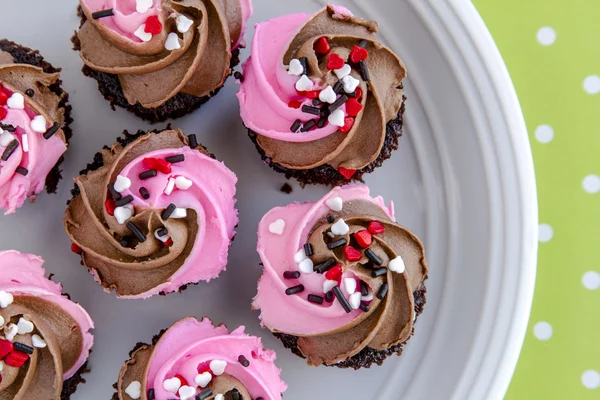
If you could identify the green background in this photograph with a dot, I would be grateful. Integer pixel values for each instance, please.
(558, 86)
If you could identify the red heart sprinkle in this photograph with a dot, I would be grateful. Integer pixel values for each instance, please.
(3, 98)
(334, 61)
(16, 358)
(351, 253)
(348, 124)
(334, 274)
(346, 173)
(376, 227)
(3, 113)
(169, 242)
(76, 249)
(110, 206)
(322, 46)
(163, 166)
(359, 93)
(184, 382)
(313, 94)
(295, 104)
(5, 348)
(153, 25)
(363, 238)
(301, 93)
(353, 107)
(149, 162)
(358, 54)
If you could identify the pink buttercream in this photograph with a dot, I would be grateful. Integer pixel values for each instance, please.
(247, 11)
(23, 274)
(189, 343)
(39, 160)
(294, 314)
(212, 196)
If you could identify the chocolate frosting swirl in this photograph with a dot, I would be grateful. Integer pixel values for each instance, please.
(198, 67)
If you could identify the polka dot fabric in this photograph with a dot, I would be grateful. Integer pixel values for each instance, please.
(553, 55)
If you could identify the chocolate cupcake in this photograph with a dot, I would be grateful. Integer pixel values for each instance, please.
(34, 125)
(343, 283)
(45, 337)
(160, 59)
(322, 97)
(196, 360)
(153, 213)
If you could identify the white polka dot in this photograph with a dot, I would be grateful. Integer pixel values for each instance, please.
(546, 36)
(544, 133)
(591, 183)
(546, 232)
(591, 84)
(590, 379)
(591, 280)
(542, 330)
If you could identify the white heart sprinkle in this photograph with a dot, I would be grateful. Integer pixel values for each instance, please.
(186, 392)
(163, 238)
(179, 213)
(25, 143)
(350, 285)
(344, 71)
(16, 101)
(6, 299)
(397, 265)
(335, 204)
(337, 118)
(24, 326)
(172, 42)
(218, 366)
(328, 285)
(300, 256)
(219, 396)
(142, 34)
(354, 300)
(134, 390)
(122, 183)
(328, 95)
(170, 186)
(296, 68)
(122, 214)
(277, 227)
(10, 332)
(172, 385)
(203, 379)
(1, 366)
(1, 321)
(340, 228)
(38, 342)
(38, 124)
(6, 138)
(350, 83)
(142, 6)
(306, 266)
(183, 23)
(368, 297)
(183, 183)
(331, 235)
(304, 84)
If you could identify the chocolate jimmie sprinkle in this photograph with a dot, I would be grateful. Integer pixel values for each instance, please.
(136, 231)
(294, 290)
(340, 296)
(103, 13)
(12, 146)
(53, 129)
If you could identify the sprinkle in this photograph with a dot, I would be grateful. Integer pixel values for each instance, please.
(337, 88)
(22, 171)
(311, 110)
(334, 61)
(316, 102)
(336, 244)
(325, 266)
(304, 84)
(183, 183)
(306, 266)
(340, 296)
(141, 33)
(329, 296)
(330, 219)
(192, 141)
(244, 361)
(308, 249)
(16, 101)
(235, 394)
(349, 285)
(113, 192)
(315, 299)
(218, 366)
(122, 183)
(30, 92)
(144, 193)
(304, 62)
(364, 306)
(350, 83)
(25, 143)
(23, 347)
(172, 42)
(297, 124)
(364, 288)
(294, 289)
(179, 213)
(331, 235)
(354, 300)
(204, 394)
(364, 71)
(397, 265)
(124, 200)
(338, 103)
(352, 254)
(382, 291)
(277, 227)
(166, 214)
(162, 231)
(335, 203)
(362, 44)
(328, 95)
(103, 13)
(308, 126)
(175, 159)
(343, 71)
(6, 299)
(151, 395)
(183, 23)
(295, 68)
(373, 257)
(291, 274)
(363, 238)
(203, 379)
(142, 6)
(238, 75)
(8, 127)
(334, 274)
(10, 332)
(340, 228)
(12, 146)
(38, 342)
(322, 46)
(378, 272)
(6, 138)
(376, 227)
(134, 390)
(136, 231)
(52, 130)
(125, 242)
(24, 326)
(151, 173)
(122, 214)
(358, 54)
(300, 256)
(337, 118)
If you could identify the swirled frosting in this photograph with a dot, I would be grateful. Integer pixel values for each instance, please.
(55, 331)
(356, 249)
(146, 225)
(185, 45)
(276, 96)
(192, 358)
(23, 170)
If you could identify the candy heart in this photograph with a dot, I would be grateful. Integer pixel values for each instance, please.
(183, 183)
(353, 107)
(1, 321)
(3, 98)
(340, 228)
(334, 274)
(5, 139)
(134, 390)
(16, 101)
(296, 68)
(363, 238)
(5, 348)
(183, 23)
(203, 379)
(334, 61)
(304, 84)
(122, 183)
(350, 83)
(368, 297)
(186, 392)
(328, 285)
(38, 342)
(322, 46)
(335, 203)
(122, 214)
(295, 104)
(24, 326)
(172, 42)
(337, 118)
(300, 256)
(350, 285)
(346, 173)
(3, 113)
(277, 227)
(38, 124)
(354, 300)
(16, 359)
(142, 6)
(351, 253)
(376, 227)
(10, 332)
(219, 396)
(306, 266)
(179, 213)
(343, 71)
(6, 299)
(172, 385)
(358, 54)
(218, 366)
(328, 95)
(141, 33)
(348, 124)
(397, 265)
(153, 25)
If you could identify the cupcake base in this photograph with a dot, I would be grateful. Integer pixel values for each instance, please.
(25, 55)
(326, 174)
(70, 385)
(367, 356)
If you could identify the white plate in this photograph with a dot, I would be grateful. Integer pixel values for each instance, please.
(462, 179)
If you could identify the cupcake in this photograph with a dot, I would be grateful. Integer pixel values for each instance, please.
(322, 97)
(195, 360)
(160, 59)
(34, 125)
(343, 283)
(153, 213)
(45, 337)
